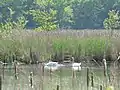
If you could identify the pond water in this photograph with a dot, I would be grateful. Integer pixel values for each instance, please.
(62, 79)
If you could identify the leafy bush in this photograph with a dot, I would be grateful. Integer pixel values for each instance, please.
(112, 22)
(45, 20)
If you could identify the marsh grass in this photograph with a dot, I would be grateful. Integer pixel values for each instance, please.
(46, 44)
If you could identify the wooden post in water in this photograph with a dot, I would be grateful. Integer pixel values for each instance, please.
(101, 88)
(31, 79)
(73, 74)
(57, 87)
(0, 83)
(88, 79)
(42, 76)
(3, 69)
(73, 79)
(60, 78)
(50, 73)
(92, 80)
(42, 70)
(15, 69)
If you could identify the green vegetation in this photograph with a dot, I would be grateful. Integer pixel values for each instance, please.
(88, 46)
(45, 15)
(58, 14)
(44, 19)
(45, 45)
(20, 40)
(112, 22)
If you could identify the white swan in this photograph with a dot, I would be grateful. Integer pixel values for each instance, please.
(105, 63)
(76, 66)
(52, 66)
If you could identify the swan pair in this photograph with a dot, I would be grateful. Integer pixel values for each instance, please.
(53, 66)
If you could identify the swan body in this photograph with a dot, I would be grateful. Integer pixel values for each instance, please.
(105, 63)
(76, 66)
(52, 66)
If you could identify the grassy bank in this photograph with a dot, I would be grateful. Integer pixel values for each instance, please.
(41, 46)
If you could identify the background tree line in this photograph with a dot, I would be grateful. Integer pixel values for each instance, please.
(57, 14)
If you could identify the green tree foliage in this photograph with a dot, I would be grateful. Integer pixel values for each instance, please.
(4, 1)
(74, 14)
(7, 27)
(64, 15)
(21, 22)
(45, 20)
(44, 16)
(112, 22)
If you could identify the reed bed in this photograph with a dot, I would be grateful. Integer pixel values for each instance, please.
(46, 44)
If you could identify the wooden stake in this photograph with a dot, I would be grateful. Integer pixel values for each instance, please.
(31, 79)
(3, 69)
(0, 83)
(42, 70)
(57, 87)
(50, 73)
(92, 80)
(88, 79)
(101, 88)
(15, 68)
(42, 77)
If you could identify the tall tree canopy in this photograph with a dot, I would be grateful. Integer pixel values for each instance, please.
(54, 14)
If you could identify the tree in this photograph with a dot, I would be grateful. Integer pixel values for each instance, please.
(73, 14)
(64, 13)
(44, 20)
(86, 14)
(44, 16)
(112, 22)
